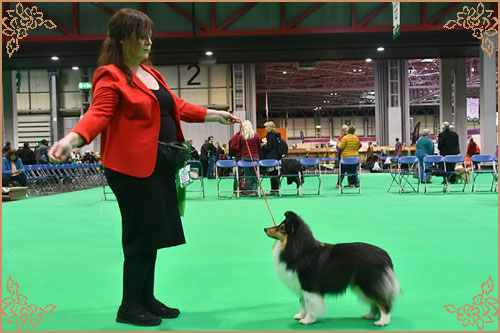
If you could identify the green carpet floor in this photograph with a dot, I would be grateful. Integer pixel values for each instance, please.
(65, 250)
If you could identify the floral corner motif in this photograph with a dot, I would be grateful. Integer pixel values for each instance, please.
(481, 21)
(17, 23)
(480, 311)
(18, 310)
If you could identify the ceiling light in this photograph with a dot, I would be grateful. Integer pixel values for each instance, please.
(428, 60)
(360, 70)
(368, 59)
(75, 68)
(284, 72)
(209, 53)
(324, 101)
(55, 58)
(380, 49)
(354, 70)
(473, 69)
(336, 94)
(318, 126)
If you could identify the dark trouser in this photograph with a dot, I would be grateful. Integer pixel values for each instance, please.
(353, 180)
(211, 167)
(20, 178)
(138, 280)
(451, 167)
(275, 183)
(204, 164)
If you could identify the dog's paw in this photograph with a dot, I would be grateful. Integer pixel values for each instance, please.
(299, 315)
(381, 322)
(307, 320)
(369, 315)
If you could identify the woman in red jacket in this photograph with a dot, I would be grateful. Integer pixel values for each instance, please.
(133, 109)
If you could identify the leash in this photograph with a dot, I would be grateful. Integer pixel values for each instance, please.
(257, 174)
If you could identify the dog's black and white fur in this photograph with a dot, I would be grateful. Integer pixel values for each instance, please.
(313, 269)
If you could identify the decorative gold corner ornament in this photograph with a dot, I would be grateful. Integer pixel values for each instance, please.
(19, 21)
(481, 21)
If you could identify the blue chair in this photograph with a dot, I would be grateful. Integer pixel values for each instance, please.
(291, 171)
(249, 165)
(196, 174)
(408, 170)
(232, 174)
(275, 165)
(350, 161)
(394, 171)
(310, 169)
(487, 164)
(438, 169)
(104, 185)
(457, 172)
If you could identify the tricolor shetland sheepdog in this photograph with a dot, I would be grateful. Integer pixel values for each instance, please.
(313, 269)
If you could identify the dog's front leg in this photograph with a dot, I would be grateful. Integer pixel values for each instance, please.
(302, 312)
(314, 306)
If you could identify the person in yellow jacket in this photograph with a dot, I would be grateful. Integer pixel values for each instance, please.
(349, 146)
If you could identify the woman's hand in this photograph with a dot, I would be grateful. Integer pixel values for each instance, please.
(222, 117)
(61, 150)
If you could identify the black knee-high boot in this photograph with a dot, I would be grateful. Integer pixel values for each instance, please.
(135, 272)
(150, 302)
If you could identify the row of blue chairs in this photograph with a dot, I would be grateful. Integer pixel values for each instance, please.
(406, 173)
(234, 171)
(46, 179)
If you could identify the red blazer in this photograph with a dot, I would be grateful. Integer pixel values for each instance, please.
(129, 119)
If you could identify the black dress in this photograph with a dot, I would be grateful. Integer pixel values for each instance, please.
(148, 206)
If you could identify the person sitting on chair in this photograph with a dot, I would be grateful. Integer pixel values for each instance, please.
(13, 170)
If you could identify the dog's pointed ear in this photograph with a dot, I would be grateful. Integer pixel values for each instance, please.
(291, 219)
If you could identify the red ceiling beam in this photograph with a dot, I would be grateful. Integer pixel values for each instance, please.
(373, 14)
(144, 7)
(187, 15)
(213, 15)
(103, 7)
(256, 32)
(442, 13)
(236, 16)
(308, 12)
(59, 26)
(75, 18)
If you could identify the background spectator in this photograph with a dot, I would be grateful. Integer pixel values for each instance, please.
(13, 170)
(425, 147)
(26, 154)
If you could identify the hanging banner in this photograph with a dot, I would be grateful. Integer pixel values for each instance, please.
(395, 19)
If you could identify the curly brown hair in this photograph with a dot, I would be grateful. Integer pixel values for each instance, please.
(11, 152)
(125, 26)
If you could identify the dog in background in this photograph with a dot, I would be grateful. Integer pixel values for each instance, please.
(463, 174)
(312, 269)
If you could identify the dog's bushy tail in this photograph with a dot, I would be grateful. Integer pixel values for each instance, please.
(390, 285)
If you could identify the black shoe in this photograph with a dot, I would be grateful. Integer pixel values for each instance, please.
(138, 317)
(159, 309)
